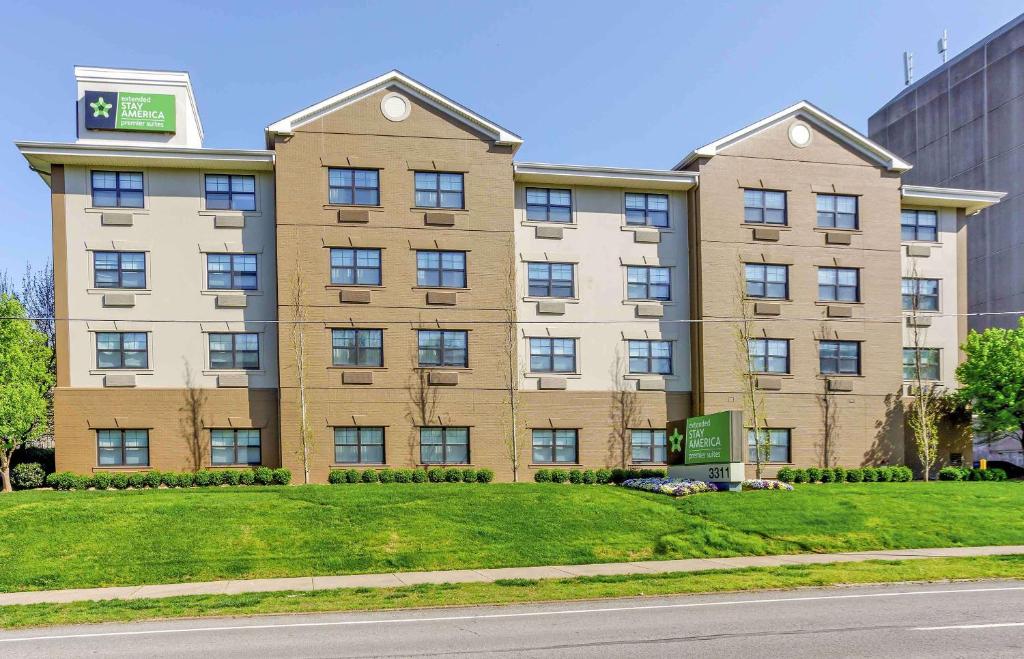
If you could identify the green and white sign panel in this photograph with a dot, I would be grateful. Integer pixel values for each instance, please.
(130, 111)
(713, 450)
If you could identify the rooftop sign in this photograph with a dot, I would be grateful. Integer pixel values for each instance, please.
(130, 111)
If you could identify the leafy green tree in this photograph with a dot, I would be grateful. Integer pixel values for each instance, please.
(25, 379)
(992, 380)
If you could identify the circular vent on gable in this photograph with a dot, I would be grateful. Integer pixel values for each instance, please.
(799, 135)
(395, 107)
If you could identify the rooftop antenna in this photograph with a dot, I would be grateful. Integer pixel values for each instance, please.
(943, 46)
(908, 67)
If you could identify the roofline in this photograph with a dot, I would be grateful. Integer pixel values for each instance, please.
(288, 124)
(822, 120)
(599, 175)
(972, 201)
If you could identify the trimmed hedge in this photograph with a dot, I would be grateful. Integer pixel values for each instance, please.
(27, 476)
(138, 480)
(898, 474)
(971, 474)
(420, 475)
(594, 477)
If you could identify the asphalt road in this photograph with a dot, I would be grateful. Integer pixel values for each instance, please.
(968, 619)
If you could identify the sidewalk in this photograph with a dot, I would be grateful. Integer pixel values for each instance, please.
(389, 580)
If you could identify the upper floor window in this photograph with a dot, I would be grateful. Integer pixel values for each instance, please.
(646, 356)
(767, 281)
(235, 192)
(838, 284)
(923, 361)
(360, 267)
(550, 279)
(839, 357)
(648, 283)
(117, 189)
(355, 187)
(837, 211)
(357, 347)
(231, 272)
(920, 294)
(122, 350)
(644, 209)
(551, 446)
(122, 448)
(235, 350)
(552, 355)
(439, 190)
(919, 225)
(648, 446)
(359, 445)
(235, 446)
(764, 206)
(441, 269)
(119, 269)
(444, 445)
(768, 355)
(443, 348)
(545, 205)
(774, 445)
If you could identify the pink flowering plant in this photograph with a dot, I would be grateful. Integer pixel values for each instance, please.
(669, 486)
(762, 484)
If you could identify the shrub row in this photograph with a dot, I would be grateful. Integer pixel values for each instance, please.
(66, 480)
(971, 474)
(899, 474)
(432, 475)
(594, 476)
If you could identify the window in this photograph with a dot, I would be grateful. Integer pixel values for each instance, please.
(919, 225)
(443, 348)
(122, 448)
(437, 190)
(647, 209)
(838, 285)
(235, 192)
(236, 350)
(353, 187)
(550, 355)
(767, 281)
(764, 207)
(543, 205)
(122, 350)
(837, 211)
(550, 279)
(231, 272)
(444, 445)
(839, 357)
(648, 283)
(358, 347)
(555, 446)
(768, 355)
(441, 269)
(119, 269)
(774, 445)
(648, 446)
(359, 267)
(361, 445)
(235, 446)
(117, 189)
(920, 294)
(923, 360)
(650, 357)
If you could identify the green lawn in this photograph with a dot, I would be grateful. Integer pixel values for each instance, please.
(54, 540)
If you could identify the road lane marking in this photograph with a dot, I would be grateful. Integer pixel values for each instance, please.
(494, 616)
(979, 626)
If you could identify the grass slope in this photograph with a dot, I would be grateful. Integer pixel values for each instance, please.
(51, 540)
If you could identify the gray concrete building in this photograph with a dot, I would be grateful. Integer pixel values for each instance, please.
(962, 126)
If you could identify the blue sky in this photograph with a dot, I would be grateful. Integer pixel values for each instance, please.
(635, 84)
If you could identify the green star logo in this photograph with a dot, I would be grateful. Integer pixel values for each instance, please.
(101, 108)
(676, 439)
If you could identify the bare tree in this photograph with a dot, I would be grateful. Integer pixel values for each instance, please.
(926, 403)
(422, 399)
(625, 409)
(753, 398)
(299, 348)
(192, 421)
(829, 408)
(510, 344)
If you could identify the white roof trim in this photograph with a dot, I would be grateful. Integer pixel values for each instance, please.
(821, 120)
(603, 176)
(972, 201)
(416, 89)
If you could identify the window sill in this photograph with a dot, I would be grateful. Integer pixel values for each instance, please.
(431, 209)
(834, 229)
(359, 465)
(541, 223)
(461, 369)
(829, 376)
(231, 291)
(104, 291)
(566, 300)
(645, 227)
(641, 376)
(445, 465)
(108, 371)
(785, 376)
(209, 213)
(823, 303)
(664, 303)
(374, 287)
(99, 468)
(647, 465)
(370, 207)
(548, 465)
(116, 209)
(441, 288)
(234, 371)
(334, 367)
(929, 243)
(765, 225)
(539, 374)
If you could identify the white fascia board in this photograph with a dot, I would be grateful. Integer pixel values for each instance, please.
(533, 172)
(821, 120)
(972, 201)
(415, 89)
(41, 155)
(103, 76)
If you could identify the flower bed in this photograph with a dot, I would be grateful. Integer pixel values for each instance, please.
(761, 484)
(671, 487)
